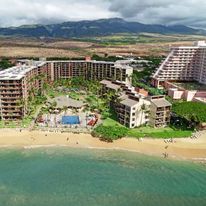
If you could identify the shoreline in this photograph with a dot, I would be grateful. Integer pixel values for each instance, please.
(182, 149)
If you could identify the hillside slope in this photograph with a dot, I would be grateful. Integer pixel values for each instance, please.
(100, 27)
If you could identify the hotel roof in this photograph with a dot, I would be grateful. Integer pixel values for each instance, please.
(110, 85)
(161, 102)
(81, 61)
(18, 72)
(15, 73)
(129, 102)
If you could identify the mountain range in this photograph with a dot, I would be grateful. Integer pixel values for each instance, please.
(101, 27)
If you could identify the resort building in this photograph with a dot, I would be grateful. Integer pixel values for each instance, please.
(133, 111)
(183, 64)
(160, 110)
(135, 108)
(17, 83)
(16, 86)
(91, 70)
(186, 91)
(183, 73)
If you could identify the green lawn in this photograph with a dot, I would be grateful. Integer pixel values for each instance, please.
(16, 124)
(52, 93)
(74, 95)
(167, 132)
(111, 122)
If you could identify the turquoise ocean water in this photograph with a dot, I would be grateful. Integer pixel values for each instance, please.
(78, 177)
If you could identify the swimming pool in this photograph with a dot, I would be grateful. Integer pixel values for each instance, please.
(70, 120)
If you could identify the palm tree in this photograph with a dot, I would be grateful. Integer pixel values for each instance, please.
(65, 108)
(21, 104)
(44, 88)
(45, 110)
(143, 110)
(53, 106)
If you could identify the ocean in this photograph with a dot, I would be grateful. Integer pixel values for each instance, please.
(83, 177)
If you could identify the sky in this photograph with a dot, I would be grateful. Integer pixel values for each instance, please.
(167, 12)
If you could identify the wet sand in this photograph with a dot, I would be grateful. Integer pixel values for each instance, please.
(182, 149)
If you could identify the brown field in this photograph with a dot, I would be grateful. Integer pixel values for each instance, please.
(27, 48)
(140, 49)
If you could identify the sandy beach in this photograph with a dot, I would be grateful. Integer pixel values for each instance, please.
(185, 149)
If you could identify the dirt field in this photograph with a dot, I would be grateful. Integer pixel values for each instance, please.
(21, 47)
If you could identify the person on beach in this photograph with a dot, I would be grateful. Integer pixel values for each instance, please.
(165, 155)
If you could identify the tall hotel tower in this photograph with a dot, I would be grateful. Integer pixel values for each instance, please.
(183, 64)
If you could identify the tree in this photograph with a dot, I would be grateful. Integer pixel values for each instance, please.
(194, 112)
(5, 63)
(144, 110)
(65, 108)
(109, 133)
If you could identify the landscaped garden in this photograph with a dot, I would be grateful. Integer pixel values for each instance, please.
(76, 96)
(111, 130)
(165, 133)
(80, 89)
(192, 86)
(24, 123)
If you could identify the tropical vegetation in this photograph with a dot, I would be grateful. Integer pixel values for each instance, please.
(87, 91)
(193, 112)
(5, 63)
(109, 133)
(105, 133)
(142, 78)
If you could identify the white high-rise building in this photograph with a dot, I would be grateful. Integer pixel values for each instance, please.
(183, 64)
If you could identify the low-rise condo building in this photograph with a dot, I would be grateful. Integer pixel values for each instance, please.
(134, 109)
(160, 110)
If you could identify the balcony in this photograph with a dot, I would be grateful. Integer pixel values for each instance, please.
(10, 92)
(158, 112)
(12, 115)
(10, 88)
(10, 84)
(11, 111)
(10, 97)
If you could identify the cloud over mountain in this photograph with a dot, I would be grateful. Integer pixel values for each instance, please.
(18, 12)
(188, 12)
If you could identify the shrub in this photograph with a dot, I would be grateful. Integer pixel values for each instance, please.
(109, 133)
(191, 111)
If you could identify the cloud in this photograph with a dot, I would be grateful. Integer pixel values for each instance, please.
(189, 12)
(19, 12)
